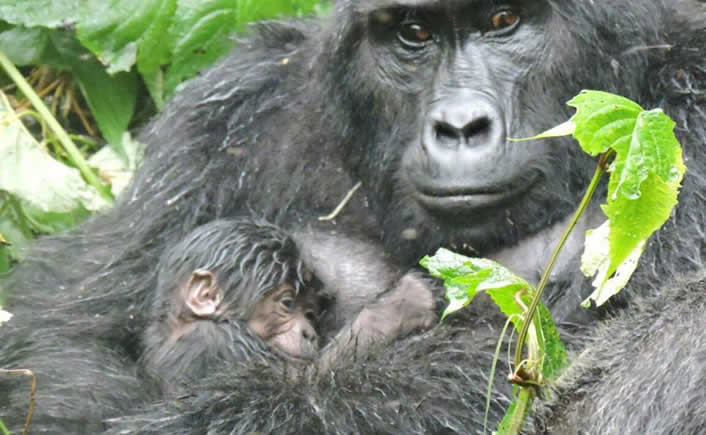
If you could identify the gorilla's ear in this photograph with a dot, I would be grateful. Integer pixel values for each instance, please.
(203, 295)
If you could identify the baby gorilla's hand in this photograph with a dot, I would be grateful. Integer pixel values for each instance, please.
(408, 306)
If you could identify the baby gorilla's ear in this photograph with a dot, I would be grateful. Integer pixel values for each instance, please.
(203, 295)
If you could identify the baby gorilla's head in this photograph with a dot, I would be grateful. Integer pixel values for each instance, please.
(231, 291)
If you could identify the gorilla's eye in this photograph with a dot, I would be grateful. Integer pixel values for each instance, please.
(504, 20)
(287, 303)
(413, 35)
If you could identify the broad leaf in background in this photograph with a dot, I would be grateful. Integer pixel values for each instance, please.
(186, 35)
(111, 99)
(42, 13)
(645, 178)
(51, 195)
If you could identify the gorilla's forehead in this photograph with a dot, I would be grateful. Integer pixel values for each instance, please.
(367, 6)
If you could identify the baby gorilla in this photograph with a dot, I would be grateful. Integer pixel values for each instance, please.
(230, 292)
(237, 292)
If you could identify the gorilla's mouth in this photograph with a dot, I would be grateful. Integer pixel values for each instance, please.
(458, 199)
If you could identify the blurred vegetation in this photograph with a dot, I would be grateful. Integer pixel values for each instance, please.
(77, 77)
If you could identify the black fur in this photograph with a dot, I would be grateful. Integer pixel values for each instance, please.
(641, 372)
(285, 126)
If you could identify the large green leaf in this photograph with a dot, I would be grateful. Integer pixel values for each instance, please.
(43, 13)
(645, 178)
(24, 46)
(52, 196)
(112, 99)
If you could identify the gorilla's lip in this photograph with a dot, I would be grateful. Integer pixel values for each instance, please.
(459, 199)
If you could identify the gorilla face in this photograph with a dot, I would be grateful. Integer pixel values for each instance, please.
(448, 83)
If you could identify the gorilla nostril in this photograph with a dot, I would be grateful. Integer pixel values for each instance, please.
(477, 127)
(309, 334)
(446, 134)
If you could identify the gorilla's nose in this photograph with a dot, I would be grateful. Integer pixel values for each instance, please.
(462, 121)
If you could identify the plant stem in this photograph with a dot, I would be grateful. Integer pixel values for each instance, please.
(600, 169)
(518, 417)
(74, 153)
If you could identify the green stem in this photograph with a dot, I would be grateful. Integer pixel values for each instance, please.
(600, 169)
(3, 429)
(66, 142)
(521, 407)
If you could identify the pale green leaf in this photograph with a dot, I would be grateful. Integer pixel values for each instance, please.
(596, 261)
(43, 13)
(564, 129)
(113, 167)
(30, 174)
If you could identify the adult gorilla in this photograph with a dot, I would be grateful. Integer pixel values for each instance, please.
(414, 99)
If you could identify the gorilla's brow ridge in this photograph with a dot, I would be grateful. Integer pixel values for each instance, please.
(368, 6)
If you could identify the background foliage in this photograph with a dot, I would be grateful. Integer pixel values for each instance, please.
(102, 67)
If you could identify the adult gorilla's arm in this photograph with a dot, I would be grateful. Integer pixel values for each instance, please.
(423, 384)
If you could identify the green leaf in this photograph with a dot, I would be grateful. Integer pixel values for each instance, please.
(39, 46)
(112, 99)
(602, 120)
(642, 191)
(44, 13)
(50, 193)
(653, 150)
(4, 264)
(202, 30)
(464, 277)
(15, 231)
(200, 33)
(4, 257)
(643, 187)
(554, 352)
(24, 46)
(117, 30)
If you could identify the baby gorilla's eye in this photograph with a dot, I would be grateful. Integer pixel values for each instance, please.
(504, 20)
(413, 35)
(287, 303)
